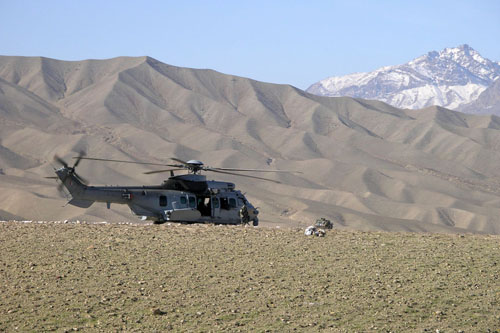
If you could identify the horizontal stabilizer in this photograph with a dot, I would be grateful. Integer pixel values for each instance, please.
(81, 203)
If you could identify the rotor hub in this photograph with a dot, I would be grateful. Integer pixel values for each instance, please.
(194, 166)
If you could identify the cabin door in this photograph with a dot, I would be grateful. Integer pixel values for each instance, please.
(215, 207)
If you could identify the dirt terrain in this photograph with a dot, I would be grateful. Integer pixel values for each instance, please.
(109, 277)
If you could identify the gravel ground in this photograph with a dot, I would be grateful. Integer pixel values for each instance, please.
(109, 277)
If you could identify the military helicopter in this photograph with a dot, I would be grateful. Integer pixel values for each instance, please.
(181, 198)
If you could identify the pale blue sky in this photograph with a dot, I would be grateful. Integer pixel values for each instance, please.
(293, 42)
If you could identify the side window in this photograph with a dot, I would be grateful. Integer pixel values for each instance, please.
(232, 202)
(163, 201)
(183, 201)
(192, 202)
(216, 202)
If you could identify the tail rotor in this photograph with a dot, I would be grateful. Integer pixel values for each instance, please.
(71, 170)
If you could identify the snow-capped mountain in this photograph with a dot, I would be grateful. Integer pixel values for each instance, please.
(450, 78)
(487, 103)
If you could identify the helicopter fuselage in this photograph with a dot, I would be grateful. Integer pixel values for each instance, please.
(185, 198)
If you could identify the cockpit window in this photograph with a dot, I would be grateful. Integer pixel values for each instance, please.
(232, 202)
(183, 200)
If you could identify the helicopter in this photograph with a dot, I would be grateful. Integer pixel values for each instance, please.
(181, 198)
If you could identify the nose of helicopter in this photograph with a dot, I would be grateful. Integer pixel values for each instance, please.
(253, 212)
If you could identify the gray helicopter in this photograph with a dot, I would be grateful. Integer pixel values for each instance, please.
(182, 198)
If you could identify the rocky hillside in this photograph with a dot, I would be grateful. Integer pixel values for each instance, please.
(366, 165)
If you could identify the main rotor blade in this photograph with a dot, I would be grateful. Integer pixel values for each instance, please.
(252, 170)
(61, 161)
(237, 174)
(180, 161)
(159, 171)
(79, 158)
(54, 177)
(122, 161)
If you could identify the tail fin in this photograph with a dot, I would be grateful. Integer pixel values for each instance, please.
(75, 187)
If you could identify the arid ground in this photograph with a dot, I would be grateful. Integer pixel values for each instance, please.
(109, 277)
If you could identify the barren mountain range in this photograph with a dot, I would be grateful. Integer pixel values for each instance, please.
(453, 78)
(366, 165)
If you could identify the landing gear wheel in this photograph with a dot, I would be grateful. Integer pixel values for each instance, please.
(255, 222)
